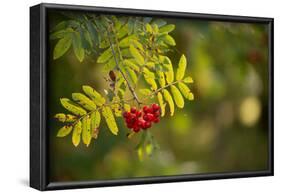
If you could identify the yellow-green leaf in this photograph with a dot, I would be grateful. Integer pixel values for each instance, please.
(161, 103)
(110, 120)
(177, 96)
(125, 42)
(76, 134)
(184, 90)
(181, 68)
(94, 95)
(145, 92)
(65, 117)
(135, 53)
(127, 107)
(150, 78)
(133, 76)
(62, 46)
(95, 119)
(105, 56)
(130, 64)
(86, 130)
(169, 40)
(167, 28)
(161, 78)
(188, 80)
(77, 46)
(84, 101)
(148, 28)
(72, 107)
(64, 131)
(170, 101)
(190, 96)
(170, 71)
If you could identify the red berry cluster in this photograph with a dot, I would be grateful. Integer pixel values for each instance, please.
(142, 119)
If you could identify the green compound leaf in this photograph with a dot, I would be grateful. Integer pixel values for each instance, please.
(62, 46)
(72, 107)
(93, 32)
(105, 56)
(135, 53)
(169, 40)
(161, 103)
(84, 101)
(125, 42)
(181, 68)
(65, 117)
(77, 46)
(94, 95)
(95, 120)
(76, 134)
(177, 96)
(184, 90)
(145, 92)
(131, 64)
(188, 80)
(110, 120)
(167, 28)
(168, 65)
(64, 131)
(86, 130)
(133, 76)
(150, 78)
(161, 78)
(170, 101)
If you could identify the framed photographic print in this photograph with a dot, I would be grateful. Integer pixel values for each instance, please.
(124, 96)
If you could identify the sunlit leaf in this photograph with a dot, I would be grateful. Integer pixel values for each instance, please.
(133, 76)
(161, 78)
(84, 101)
(72, 107)
(125, 42)
(167, 28)
(150, 78)
(94, 95)
(62, 46)
(161, 103)
(148, 28)
(95, 119)
(65, 117)
(188, 80)
(181, 68)
(190, 96)
(184, 90)
(110, 120)
(177, 96)
(169, 40)
(86, 130)
(168, 65)
(145, 92)
(135, 53)
(64, 131)
(170, 101)
(105, 56)
(130, 64)
(76, 134)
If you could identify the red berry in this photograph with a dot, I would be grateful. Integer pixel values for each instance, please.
(133, 110)
(126, 114)
(136, 129)
(145, 109)
(155, 107)
(150, 117)
(138, 113)
(147, 125)
(156, 120)
(157, 113)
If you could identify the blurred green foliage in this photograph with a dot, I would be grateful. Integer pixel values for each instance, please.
(225, 129)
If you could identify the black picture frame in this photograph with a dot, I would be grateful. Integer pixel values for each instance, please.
(38, 100)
